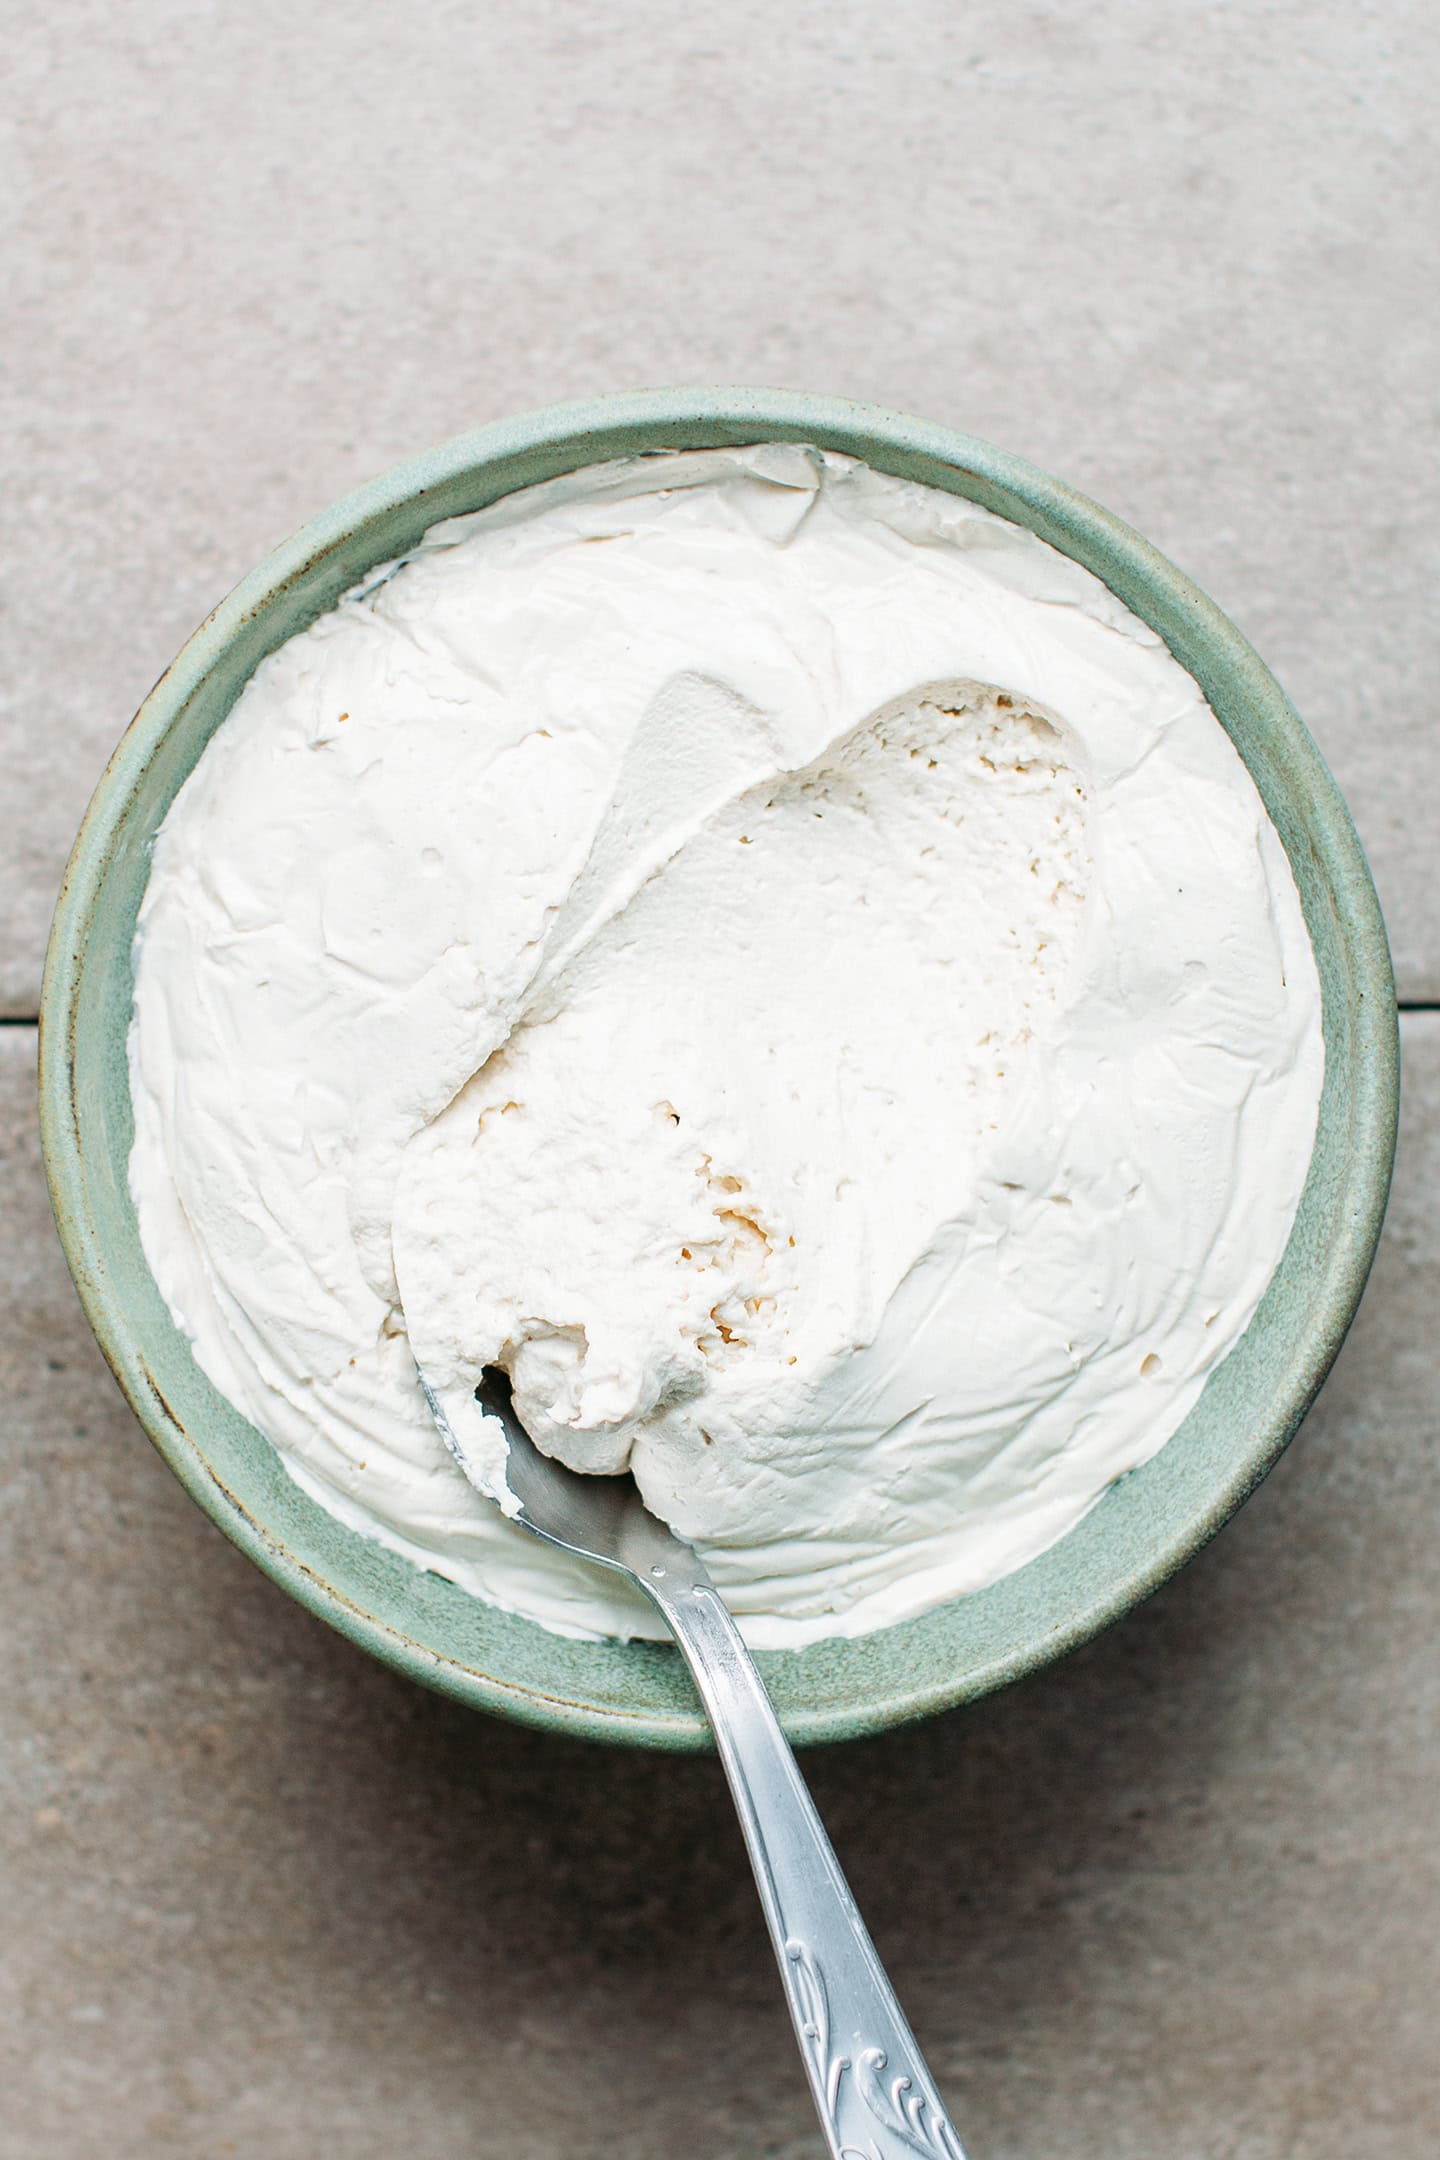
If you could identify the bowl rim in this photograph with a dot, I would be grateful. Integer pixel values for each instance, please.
(891, 440)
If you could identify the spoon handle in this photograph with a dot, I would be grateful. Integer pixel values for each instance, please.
(875, 2098)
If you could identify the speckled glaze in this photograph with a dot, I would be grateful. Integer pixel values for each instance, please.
(1145, 1527)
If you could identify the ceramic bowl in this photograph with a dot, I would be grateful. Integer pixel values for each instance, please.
(1144, 1527)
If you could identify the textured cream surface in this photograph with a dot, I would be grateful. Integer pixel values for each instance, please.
(778, 957)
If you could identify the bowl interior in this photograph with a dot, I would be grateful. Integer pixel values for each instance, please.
(1142, 1529)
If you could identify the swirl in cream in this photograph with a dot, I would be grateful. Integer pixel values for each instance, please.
(776, 956)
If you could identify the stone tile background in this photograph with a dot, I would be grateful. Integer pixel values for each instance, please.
(1178, 1897)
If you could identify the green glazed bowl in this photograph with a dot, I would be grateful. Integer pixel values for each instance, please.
(1144, 1527)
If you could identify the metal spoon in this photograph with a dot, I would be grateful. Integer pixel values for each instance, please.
(875, 2098)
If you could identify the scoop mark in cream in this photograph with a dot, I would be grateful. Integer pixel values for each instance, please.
(761, 984)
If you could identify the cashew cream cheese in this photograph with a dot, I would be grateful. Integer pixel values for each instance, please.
(777, 957)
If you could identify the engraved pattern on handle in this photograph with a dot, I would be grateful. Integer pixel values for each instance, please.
(913, 2116)
(872, 2091)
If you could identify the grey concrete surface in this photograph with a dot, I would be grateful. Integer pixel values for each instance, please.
(1179, 1896)
(1180, 255)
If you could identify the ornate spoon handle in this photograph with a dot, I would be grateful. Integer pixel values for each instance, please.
(876, 2099)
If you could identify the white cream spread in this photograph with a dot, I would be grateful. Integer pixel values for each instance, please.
(776, 956)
